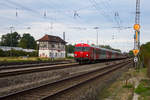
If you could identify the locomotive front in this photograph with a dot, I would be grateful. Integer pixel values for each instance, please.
(82, 53)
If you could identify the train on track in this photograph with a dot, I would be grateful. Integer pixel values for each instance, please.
(85, 53)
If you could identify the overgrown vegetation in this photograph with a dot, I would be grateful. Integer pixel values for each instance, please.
(145, 56)
(122, 89)
(143, 89)
(26, 59)
(128, 86)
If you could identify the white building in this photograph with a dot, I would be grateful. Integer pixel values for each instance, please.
(52, 47)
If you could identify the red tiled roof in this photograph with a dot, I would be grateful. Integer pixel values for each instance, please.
(51, 38)
(82, 45)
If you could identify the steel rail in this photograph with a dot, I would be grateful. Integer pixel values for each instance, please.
(100, 72)
(88, 80)
(38, 68)
(33, 65)
(35, 69)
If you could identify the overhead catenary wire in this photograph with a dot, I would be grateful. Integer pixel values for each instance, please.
(95, 5)
(109, 13)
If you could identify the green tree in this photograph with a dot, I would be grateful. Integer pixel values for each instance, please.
(27, 42)
(145, 52)
(105, 46)
(145, 56)
(131, 53)
(10, 39)
(70, 48)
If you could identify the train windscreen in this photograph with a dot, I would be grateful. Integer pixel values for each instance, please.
(82, 48)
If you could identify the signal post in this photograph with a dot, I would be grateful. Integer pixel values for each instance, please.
(136, 45)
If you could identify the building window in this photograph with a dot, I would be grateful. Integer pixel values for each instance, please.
(63, 46)
(61, 54)
(43, 54)
(53, 46)
(56, 54)
(50, 55)
(43, 45)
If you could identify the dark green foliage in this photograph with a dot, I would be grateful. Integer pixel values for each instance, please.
(143, 88)
(106, 46)
(145, 56)
(70, 57)
(128, 86)
(145, 52)
(39, 59)
(10, 39)
(131, 53)
(17, 53)
(70, 48)
(14, 40)
(33, 54)
(2, 53)
(28, 42)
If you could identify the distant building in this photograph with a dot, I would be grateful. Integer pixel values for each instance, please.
(6, 48)
(52, 47)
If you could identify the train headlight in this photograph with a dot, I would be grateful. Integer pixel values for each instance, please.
(75, 54)
(87, 55)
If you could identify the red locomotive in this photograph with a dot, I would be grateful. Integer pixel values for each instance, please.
(86, 53)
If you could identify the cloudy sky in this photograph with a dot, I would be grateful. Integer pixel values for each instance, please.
(78, 19)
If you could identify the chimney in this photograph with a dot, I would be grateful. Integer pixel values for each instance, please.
(64, 36)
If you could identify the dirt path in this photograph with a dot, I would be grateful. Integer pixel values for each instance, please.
(136, 82)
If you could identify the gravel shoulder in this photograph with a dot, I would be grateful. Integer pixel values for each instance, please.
(125, 86)
(13, 84)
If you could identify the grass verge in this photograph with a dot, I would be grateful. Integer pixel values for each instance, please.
(123, 88)
(143, 89)
(26, 59)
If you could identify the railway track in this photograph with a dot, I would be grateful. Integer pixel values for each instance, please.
(18, 70)
(47, 91)
(6, 67)
(13, 72)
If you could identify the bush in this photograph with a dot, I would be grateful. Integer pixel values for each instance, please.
(39, 59)
(143, 88)
(128, 86)
(145, 56)
(2, 53)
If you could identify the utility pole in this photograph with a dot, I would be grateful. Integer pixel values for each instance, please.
(64, 36)
(137, 35)
(11, 31)
(96, 28)
(137, 17)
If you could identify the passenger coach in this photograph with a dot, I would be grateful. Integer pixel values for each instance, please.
(86, 53)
